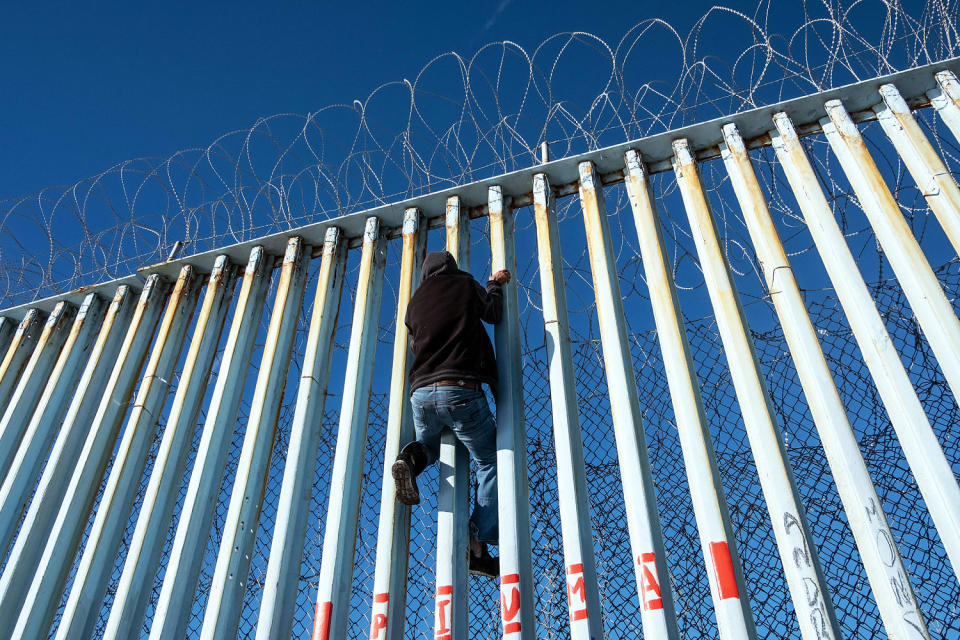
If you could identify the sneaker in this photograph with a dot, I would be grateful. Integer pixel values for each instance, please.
(484, 564)
(406, 482)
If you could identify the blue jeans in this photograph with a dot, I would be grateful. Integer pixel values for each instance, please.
(466, 412)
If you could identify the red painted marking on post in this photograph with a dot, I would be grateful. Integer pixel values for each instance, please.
(510, 603)
(649, 585)
(723, 570)
(444, 600)
(378, 618)
(576, 593)
(321, 625)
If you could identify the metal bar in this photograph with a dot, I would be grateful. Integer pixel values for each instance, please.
(7, 327)
(293, 511)
(143, 554)
(920, 285)
(340, 537)
(927, 461)
(808, 588)
(516, 565)
(103, 541)
(31, 383)
(50, 408)
(945, 98)
(18, 353)
(931, 175)
(643, 522)
(388, 612)
(193, 528)
(583, 592)
(17, 487)
(33, 580)
(225, 600)
(898, 607)
(452, 596)
(731, 603)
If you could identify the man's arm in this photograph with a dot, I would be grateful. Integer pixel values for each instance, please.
(491, 298)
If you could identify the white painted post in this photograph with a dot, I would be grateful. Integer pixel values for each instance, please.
(583, 592)
(143, 555)
(343, 511)
(920, 285)
(921, 448)
(931, 175)
(808, 588)
(516, 563)
(731, 603)
(175, 604)
(225, 600)
(945, 98)
(388, 611)
(293, 510)
(33, 581)
(898, 607)
(643, 521)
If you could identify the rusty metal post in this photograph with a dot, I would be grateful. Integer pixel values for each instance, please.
(293, 510)
(452, 596)
(945, 98)
(193, 528)
(931, 175)
(19, 351)
(103, 541)
(225, 600)
(731, 602)
(898, 607)
(19, 483)
(143, 554)
(389, 607)
(343, 511)
(516, 564)
(933, 311)
(921, 448)
(583, 592)
(32, 381)
(643, 521)
(33, 580)
(808, 588)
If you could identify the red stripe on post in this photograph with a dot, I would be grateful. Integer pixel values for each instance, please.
(445, 590)
(513, 627)
(575, 568)
(321, 626)
(578, 615)
(511, 578)
(723, 570)
(381, 597)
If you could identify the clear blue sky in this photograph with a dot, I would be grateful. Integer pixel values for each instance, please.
(87, 85)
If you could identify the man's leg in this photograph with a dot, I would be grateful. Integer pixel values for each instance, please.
(423, 451)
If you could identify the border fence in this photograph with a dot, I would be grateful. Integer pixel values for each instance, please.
(727, 409)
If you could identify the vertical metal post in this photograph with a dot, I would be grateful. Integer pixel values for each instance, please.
(7, 327)
(920, 285)
(34, 577)
(393, 532)
(193, 528)
(801, 564)
(102, 544)
(516, 565)
(931, 175)
(340, 538)
(945, 98)
(293, 510)
(583, 593)
(50, 407)
(132, 595)
(26, 336)
(17, 486)
(643, 522)
(452, 597)
(898, 606)
(930, 467)
(731, 602)
(31, 383)
(225, 600)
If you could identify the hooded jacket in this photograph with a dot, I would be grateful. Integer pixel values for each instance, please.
(444, 318)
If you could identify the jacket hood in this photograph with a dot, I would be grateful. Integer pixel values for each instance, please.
(438, 262)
